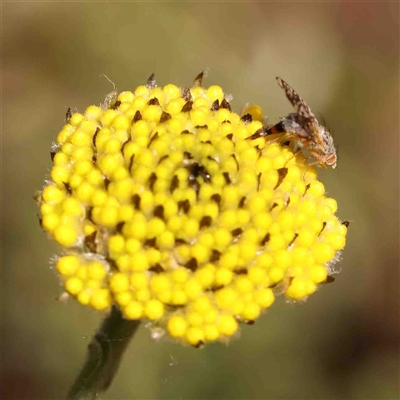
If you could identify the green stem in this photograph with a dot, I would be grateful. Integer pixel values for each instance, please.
(105, 352)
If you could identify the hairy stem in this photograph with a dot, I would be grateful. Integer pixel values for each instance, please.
(104, 355)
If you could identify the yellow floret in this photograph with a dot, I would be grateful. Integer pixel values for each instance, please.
(123, 298)
(180, 275)
(336, 240)
(116, 244)
(67, 265)
(60, 175)
(194, 319)
(96, 270)
(225, 297)
(81, 138)
(264, 298)
(50, 221)
(205, 275)
(211, 333)
(93, 112)
(66, 235)
(101, 299)
(297, 289)
(119, 283)
(194, 336)
(140, 262)
(84, 192)
(134, 310)
(255, 111)
(73, 285)
(73, 207)
(192, 289)
(251, 312)
(84, 298)
(318, 273)
(322, 252)
(215, 93)
(139, 280)
(177, 326)
(223, 276)
(53, 194)
(76, 119)
(227, 325)
(154, 309)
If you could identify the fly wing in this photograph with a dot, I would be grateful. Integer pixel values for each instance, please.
(290, 125)
(297, 102)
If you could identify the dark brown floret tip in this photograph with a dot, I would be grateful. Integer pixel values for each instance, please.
(137, 116)
(152, 180)
(90, 242)
(115, 105)
(215, 255)
(174, 183)
(294, 238)
(192, 264)
(67, 187)
(184, 205)
(282, 174)
(165, 117)
(131, 162)
(95, 136)
(217, 198)
(266, 239)
(225, 104)
(153, 102)
(205, 222)
(237, 232)
(215, 105)
(273, 206)
(151, 82)
(227, 178)
(150, 242)
(329, 279)
(323, 227)
(188, 106)
(68, 115)
(199, 79)
(247, 118)
(241, 271)
(152, 139)
(136, 201)
(159, 212)
(186, 95)
(157, 268)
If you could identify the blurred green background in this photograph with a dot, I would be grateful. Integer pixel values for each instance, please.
(343, 58)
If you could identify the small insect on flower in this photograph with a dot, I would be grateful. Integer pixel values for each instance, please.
(304, 128)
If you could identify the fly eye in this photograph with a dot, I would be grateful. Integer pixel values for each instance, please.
(331, 160)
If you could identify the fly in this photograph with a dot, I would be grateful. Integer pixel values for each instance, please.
(304, 128)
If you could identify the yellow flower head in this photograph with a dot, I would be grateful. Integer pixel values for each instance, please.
(166, 210)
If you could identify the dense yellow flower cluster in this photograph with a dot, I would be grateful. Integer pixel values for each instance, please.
(166, 210)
